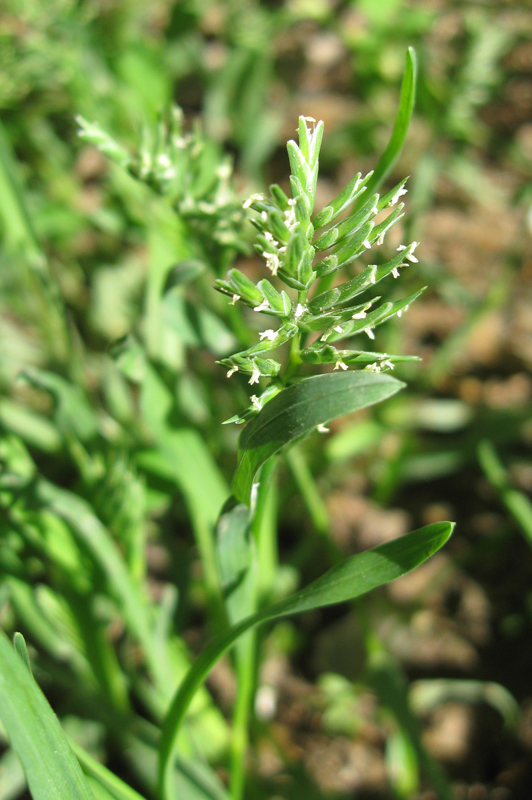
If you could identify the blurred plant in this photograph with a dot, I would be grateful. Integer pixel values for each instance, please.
(73, 560)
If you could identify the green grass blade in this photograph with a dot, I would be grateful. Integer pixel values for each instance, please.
(104, 777)
(17, 227)
(400, 128)
(35, 733)
(354, 577)
(515, 501)
(296, 411)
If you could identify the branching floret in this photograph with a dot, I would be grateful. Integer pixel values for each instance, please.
(291, 240)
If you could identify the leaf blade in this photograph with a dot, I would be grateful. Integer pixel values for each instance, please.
(51, 768)
(400, 128)
(300, 408)
(350, 579)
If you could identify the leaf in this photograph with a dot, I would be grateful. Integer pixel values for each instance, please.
(400, 128)
(35, 734)
(296, 411)
(353, 577)
(114, 786)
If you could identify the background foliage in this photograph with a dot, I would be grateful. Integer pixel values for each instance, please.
(114, 461)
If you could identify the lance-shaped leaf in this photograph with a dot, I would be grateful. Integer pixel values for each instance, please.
(400, 128)
(51, 768)
(296, 411)
(352, 578)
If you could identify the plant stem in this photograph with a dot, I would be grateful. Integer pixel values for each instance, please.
(263, 530)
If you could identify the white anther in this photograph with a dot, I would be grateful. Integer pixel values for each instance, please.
(370, 333)
(373, 367)
(380, 239)
(255, 375)
(269, 334)
(264, 306)
(236, 298)
(253, 199)
(256, 402)
(373, 273)
(321, 428)
(224, 171)
(232, 371)
(272, 262)
(411, 257)
(359, 315)
(396, 196)
(264, 216)
(339, 329)
(395, 272)
(300, 310)
(340, 365)
(367, 244)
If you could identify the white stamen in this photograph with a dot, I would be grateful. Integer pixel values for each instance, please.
(359, 315)
(256, 402)
(375, 209)
(340, 365)
(396, 197)
(373, 367)
(253, 199)
(224, 171)
(369, 332)
(236, 298)
(373, 273)
(272, 261)
(255, 375)
(269, 334)
(264, 216)
(264, 306)
(339, 329)
(232, 371)
(321, 428)
(367, 244)
(400, 312)
(300, 310)
(395, 272)
(380, 239)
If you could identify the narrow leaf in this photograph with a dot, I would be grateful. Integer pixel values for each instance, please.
(400, 128)
(35, 733)
(296, 411)
(350, 579)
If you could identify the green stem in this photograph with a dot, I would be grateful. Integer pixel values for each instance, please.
(263, 530)
(316, 508)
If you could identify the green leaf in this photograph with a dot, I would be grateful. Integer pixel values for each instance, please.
(400, 128)
(35, 734)
(296, 411)
(350, 579)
